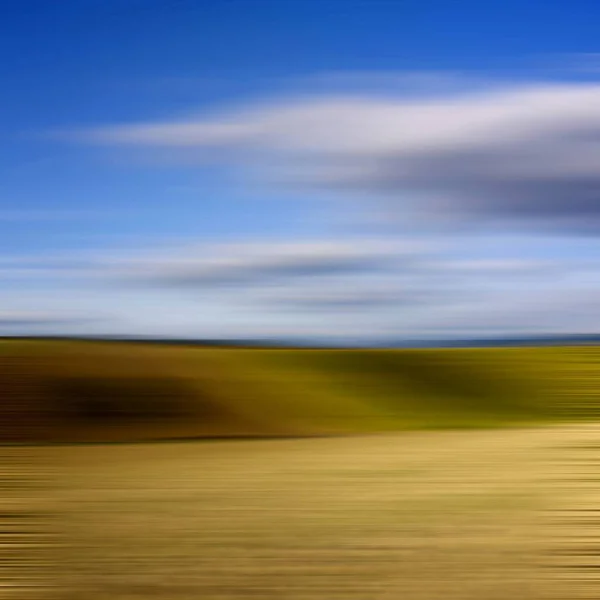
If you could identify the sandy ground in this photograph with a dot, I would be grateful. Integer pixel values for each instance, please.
(477, 515)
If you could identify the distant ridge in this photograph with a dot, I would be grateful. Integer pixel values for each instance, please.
(541, 340)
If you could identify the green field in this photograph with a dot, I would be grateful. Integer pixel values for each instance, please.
(86, 391)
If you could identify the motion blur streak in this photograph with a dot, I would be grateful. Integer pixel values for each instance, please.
(298, 473)
(299, 300)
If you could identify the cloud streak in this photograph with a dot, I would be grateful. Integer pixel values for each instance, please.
(526, 155)
(19, 319)
(254, 263)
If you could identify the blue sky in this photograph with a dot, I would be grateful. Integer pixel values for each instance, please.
(299, 168)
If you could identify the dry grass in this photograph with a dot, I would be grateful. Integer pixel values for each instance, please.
(417, 516)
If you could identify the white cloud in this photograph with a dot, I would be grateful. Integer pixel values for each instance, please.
(555, 310)
(258, 263)
(39, 318)
(272, 291)
(502, 267)
(527, 154)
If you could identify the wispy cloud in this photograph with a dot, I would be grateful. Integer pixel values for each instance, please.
(50, 267)
(258, 263)
(525, 155)
(34, 318)
(374, 286)
(554, 310)
(355, 294)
